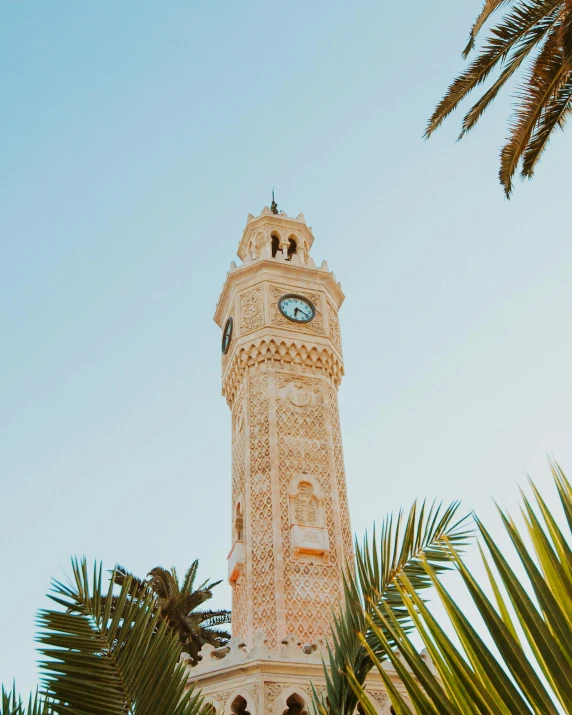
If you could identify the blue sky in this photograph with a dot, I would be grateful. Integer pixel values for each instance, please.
(136, 137)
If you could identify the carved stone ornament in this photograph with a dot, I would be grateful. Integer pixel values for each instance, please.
(305, 505)
(334, 326)
(308, 537)
(299, 391)
(251, 312)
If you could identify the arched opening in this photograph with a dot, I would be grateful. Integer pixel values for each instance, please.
(209, 709)
(238, 524)
(392, 710)
(238, 706)
(292, 248)
(275, 245)
(295, 705)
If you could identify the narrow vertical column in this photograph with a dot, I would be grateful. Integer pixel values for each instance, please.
(276, 524)
(261, 553)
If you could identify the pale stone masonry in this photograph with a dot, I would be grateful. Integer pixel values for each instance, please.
(282, 364)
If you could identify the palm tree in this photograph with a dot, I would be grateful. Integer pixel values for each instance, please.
(537, 33)
(12, 704)
(528, 669)
(178, 604)
(403, 545)
(106, 653)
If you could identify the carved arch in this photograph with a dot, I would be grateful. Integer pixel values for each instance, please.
(241, 697)
(212, 701)
(298, 694)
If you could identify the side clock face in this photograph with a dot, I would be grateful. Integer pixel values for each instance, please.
(226, 336)
(296, 308)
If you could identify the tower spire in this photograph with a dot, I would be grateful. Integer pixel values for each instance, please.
(273, 205)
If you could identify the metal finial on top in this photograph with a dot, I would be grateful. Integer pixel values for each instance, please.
(273, 205)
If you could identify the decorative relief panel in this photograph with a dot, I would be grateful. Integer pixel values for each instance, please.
(312, 588)
(305, 505)
(251, 310)
(257, 244)
(271, 692)
(260, 540)
(379, 696)
(276, 317)
(308, 533)
(299, 391)
(334, 325)
(239, 591)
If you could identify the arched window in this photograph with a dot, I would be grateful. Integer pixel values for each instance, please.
(209, 709)
(239, 524)
(238, 706)
(275, 245)
(292, 247)
(295, 705)
(392, 710)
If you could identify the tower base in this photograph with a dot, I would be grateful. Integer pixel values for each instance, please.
(265, 682)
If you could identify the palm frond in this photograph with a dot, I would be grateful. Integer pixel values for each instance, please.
(543, 82)
(11, 704)
(529, 668)
(554, 115)
(504, 38)
(190, 577)
(489, 8)
(566, 35)
(403, 543)
(522, 50)
(106, 655)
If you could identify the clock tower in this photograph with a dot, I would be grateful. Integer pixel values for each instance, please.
(290, 529)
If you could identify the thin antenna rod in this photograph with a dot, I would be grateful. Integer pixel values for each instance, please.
(274, 205)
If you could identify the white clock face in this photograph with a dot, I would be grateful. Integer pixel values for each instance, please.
(296, 308)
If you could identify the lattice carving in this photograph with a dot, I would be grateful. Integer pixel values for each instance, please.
(251, 310)
(276, 317)
(239, 446)
(261, 543)
(312, 588)
(334, 324)
(340, 475)
(318, 359)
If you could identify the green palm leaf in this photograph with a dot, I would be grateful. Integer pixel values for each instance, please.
(179, 606)
(403, 543)
(529, 624)
(110, 654)
(11, 704)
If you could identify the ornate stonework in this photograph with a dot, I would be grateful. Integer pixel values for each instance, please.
(251, 310)
(334, 325)
(290, 525)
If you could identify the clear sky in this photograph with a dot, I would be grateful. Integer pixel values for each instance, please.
(135, 138)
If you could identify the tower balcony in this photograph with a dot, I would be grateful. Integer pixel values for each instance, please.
(235, 562)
